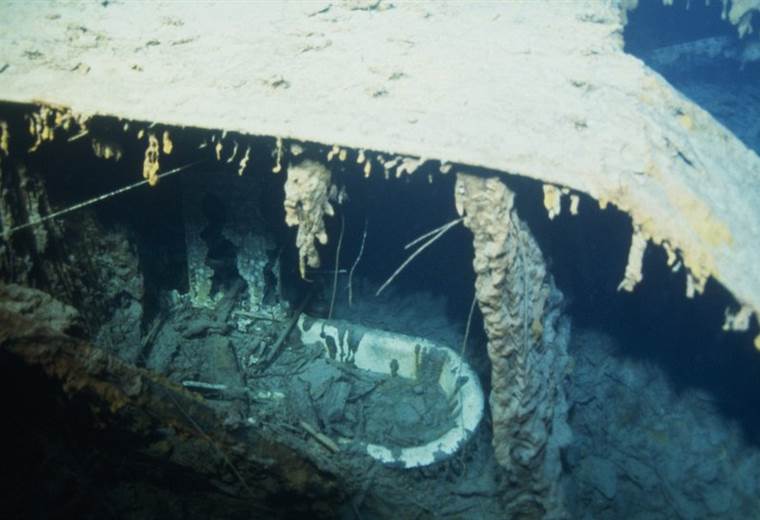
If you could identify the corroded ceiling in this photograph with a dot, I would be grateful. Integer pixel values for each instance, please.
(520, 87)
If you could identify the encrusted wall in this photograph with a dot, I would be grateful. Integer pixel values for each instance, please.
(22, 199)
(199, 274)
(80, 261)
(240, 223)
(527, 341)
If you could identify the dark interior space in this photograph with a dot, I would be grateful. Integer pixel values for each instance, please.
(45, 446)
(397, 211)
(67, 464)
(587, 255)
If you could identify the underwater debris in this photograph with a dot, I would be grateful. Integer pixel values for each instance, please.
(697, 52)
(45, 333)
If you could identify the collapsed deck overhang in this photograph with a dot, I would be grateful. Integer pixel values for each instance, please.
(542, 91)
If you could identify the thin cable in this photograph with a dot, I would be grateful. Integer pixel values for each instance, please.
(56, 214)
(337, 266)
(440, 232)
(467, 328)
(433, 231)
(459, 369)
(466, 337)
(353, 267)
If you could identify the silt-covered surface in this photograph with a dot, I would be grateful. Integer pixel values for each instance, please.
(535, 89)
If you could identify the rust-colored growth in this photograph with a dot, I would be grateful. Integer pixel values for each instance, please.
(150, 165)
(307, 194)
(512, 288)
(166, 143)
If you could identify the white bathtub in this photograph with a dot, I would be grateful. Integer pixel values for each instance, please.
(387, 352)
